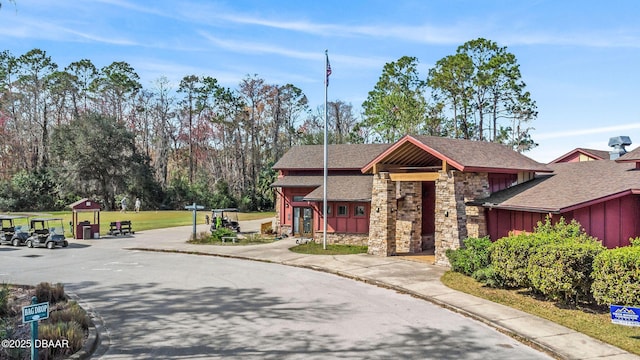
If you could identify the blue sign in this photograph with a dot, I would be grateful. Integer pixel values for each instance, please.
(625, 315)
(35, 312)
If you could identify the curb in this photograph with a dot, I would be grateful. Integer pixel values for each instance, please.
(94, 338)
(523, 339)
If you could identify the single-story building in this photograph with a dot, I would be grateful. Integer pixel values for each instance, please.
(426, 192)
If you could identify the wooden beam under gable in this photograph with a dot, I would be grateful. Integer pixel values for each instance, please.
(415, 176)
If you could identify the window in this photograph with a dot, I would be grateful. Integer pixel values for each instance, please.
(321, 209)
(358, 210)
(342, 210)
(298, 198)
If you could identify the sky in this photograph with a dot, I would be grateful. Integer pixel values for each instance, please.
(579, 59)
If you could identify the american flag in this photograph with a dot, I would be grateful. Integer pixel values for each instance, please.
(328, 70)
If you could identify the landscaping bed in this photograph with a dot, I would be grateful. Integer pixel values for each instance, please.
(61, 335)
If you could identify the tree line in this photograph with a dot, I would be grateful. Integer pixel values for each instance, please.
(82, 131)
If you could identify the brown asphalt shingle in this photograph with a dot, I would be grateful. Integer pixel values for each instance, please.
(342, 156)
(481, 154)
(571, 184)
(344, 188)
(340, 187)
(631, 156)
(298, 181)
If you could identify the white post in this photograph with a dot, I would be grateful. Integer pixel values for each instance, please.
(326, 154)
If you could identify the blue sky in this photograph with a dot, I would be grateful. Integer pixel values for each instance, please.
(579, 59)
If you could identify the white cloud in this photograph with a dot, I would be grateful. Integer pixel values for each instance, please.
(458, 33)
(265, 48)
(582, 132)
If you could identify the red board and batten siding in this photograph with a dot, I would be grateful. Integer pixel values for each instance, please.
(499, 182)
(614, 221)
(335, 223)
(287, 204)
(349, 223)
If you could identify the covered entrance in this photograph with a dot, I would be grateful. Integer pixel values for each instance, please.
(303, 221)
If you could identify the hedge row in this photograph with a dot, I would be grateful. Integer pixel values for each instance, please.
(616, 276)
(559, 261)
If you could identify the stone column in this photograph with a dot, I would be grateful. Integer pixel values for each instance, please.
(382, 222)
(455, 221)
(409, 217)
(276, 223)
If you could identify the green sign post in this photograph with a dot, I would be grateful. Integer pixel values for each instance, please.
(34, 313)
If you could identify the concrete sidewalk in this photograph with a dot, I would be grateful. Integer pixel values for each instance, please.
(399, 273)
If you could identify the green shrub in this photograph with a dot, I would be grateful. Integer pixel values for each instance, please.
(510, 258)
(562, 271)
(473, 256)
(4, 300)
(510, 255)
(222, 232)
(616, 276)
(60, 331)
(52, 294)
(73, 313)
(488, 277)
(561, 230)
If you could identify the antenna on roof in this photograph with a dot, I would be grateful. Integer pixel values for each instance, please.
(618, 143)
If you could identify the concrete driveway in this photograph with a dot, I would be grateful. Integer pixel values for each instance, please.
(177, 305)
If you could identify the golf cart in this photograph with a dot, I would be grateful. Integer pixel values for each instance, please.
(225, 218)
(47, 232)
(13, 234)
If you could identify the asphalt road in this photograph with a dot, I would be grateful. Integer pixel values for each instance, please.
(177, 306)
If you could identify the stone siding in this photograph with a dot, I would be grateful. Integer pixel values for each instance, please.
(382, 224)
(276, 222)
(395, 225)
(456, 221)
(409, 217)
(342, 238)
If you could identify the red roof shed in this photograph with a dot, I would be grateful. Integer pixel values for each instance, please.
(93, 228)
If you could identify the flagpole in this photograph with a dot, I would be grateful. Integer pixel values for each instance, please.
(326, 153)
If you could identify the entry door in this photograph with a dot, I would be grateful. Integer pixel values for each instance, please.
(303, 221)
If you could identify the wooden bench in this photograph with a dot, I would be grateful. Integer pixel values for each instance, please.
(120, 228)
(232, 238)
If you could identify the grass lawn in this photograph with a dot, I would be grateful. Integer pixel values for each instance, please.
(332, 249)
(146, 220)
(593, 322)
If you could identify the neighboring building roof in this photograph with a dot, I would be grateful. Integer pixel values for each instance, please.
(344, 188)
(631, 156)
(341, 156)
(590, 153)
(464, 155)
(571, 186)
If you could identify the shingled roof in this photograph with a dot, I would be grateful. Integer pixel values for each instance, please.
(594, 154)
(344, 188)
(340, 187)
(298, 181)
(631, 156)
(571, 186)
(341, 156)
(464, 155)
